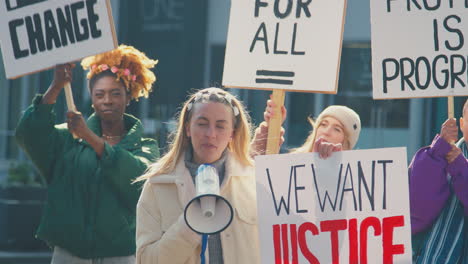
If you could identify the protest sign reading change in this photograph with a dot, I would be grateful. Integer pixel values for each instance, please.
(284, 44)
(38, 34)
(418, 48)
(350, 208)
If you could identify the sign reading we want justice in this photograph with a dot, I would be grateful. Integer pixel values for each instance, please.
(350, 208)
(419, 48)
(38, 34)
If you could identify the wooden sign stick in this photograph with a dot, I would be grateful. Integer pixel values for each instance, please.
(69, 97)
(450, 107)
(450, 111)
(70, 103)
(274, 128)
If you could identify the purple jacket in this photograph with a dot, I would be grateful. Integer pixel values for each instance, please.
(429, 186)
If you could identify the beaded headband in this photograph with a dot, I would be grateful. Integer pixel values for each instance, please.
(205, 96)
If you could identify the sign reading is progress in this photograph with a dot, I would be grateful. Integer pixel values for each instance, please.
(419, 49)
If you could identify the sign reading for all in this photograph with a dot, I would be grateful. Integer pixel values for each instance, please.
(39, 34)
(350, 208)
(284, 44)
(418, 48)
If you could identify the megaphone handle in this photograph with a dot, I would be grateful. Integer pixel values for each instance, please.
(203, 248)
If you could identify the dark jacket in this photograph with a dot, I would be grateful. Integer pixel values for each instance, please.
(91, 205)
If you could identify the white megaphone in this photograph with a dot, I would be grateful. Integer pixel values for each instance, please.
(208, 213)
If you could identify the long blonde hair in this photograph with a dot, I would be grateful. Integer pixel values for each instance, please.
(308, 145)
(239, 146)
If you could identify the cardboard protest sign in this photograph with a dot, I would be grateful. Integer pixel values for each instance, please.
(36, 35)
(350, 208)
(284, 44)
(418, 48)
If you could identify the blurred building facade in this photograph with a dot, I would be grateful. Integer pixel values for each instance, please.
(188, 38)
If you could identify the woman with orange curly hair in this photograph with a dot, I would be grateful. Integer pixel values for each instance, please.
(89, 216)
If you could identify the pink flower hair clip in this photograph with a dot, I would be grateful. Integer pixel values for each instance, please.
(103, 67)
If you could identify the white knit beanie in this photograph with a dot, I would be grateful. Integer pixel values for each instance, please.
(349, 119)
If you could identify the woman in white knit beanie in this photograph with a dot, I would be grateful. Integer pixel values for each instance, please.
(336, 128)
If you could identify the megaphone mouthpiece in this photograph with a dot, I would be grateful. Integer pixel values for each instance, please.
(208, 213)
(208, 204)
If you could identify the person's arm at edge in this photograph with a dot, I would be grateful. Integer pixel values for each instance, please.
(458, 169)
(429, 187)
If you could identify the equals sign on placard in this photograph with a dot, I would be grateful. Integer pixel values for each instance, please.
(276, 77)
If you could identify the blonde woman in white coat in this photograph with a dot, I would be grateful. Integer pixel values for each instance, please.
(213, 128)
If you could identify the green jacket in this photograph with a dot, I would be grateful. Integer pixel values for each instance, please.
(91, 205)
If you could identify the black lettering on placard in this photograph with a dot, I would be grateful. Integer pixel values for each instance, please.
(348, 175)
(262, 35)
(461, 40)
(35, 34)
(281, 9)
(55, 28)
(16, 4)
(369, 190)
(282, 202)
(436, 35)
(408, 4)
(286, 12)
(454, 73)
(445, 71)
(362, 184)
(80, 36)
(275, 47)
(389, 9)
(305, 7)
(93, 18)
(17, 51)
(51, 31)
(258, 4)
(427, 73)
(326, 195)
(386, 77)
(261, 31)
(405, 76)
(428, 7)
(297, 188)
(66, 25)
(384, 170)
(451, 29)
(293, 44)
